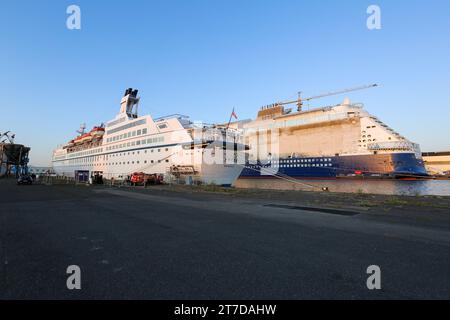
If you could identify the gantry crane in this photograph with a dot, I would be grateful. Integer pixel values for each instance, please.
(300, 100)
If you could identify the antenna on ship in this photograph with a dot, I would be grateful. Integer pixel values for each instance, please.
(82, 129)
(300, 101)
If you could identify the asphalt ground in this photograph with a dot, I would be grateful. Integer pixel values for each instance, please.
(161, 244)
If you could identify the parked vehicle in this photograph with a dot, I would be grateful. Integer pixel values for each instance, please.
(140, 178)
(25, 179)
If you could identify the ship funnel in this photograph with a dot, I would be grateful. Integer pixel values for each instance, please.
(129, 103)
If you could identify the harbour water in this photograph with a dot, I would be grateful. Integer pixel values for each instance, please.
(387, 187)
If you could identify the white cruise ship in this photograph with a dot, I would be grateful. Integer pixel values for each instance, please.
(172, 146)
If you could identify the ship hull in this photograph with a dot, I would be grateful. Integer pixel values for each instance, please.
(153, 160)
(395, 165)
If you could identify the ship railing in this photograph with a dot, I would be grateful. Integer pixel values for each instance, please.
(317, 119)
(171, 116)
(84, 146)
(393, 145)
(302, 122)
(217, 134)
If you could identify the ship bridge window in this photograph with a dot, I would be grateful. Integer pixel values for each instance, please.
(162, 126)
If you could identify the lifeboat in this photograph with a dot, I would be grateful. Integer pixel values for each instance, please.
(70, 144)
(97, 132)
(85, 138)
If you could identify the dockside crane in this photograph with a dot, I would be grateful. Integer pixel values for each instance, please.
(299, 102)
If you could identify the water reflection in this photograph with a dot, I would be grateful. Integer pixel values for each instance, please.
(389, 187)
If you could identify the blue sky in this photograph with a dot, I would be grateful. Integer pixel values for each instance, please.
(204, 57)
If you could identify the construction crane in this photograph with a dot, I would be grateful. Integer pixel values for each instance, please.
(7, 136)
(300, 100)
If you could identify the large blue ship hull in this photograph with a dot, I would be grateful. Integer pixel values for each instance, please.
(395, 165)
